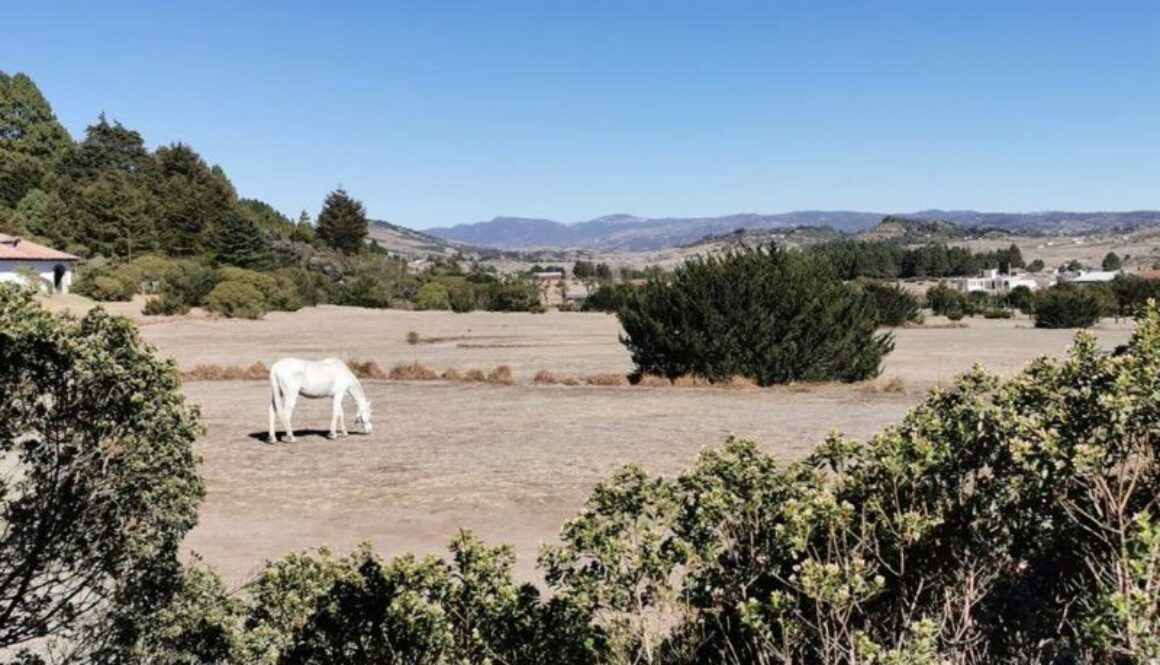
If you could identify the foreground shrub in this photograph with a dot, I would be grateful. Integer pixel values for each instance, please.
(1001, 522)
(767, 314)
(236, 300)
(100, 479)
(1067, 307)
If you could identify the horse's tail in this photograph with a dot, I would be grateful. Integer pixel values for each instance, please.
(276, 392)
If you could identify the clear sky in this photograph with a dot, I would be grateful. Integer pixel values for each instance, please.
(438, 113)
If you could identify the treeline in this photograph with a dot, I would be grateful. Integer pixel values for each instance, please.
(1059, 306)
(1002, 521)
(167, 222)
(881, 259)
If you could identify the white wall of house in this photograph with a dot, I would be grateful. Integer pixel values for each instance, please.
(11, 269)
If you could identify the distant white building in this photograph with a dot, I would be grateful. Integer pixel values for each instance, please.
(992, 281)
(22, 261)
(576, 292)
(1089, 276)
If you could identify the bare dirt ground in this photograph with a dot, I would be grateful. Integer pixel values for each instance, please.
(509, 462)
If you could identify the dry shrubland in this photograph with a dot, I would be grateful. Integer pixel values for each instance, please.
(412, 371)
(366, 369)
(501, 375)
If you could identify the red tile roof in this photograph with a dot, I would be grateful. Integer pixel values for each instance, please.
(1148, 274)
(12, 247)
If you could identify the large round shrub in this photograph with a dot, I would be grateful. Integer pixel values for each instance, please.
(767, 314)
(1067, 307)
(236, 300)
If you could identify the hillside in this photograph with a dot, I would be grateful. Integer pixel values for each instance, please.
(411, 243)
(628, 233)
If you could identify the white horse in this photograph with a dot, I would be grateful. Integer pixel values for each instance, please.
(291, 377)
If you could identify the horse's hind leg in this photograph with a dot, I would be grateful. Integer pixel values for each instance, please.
(273, 414)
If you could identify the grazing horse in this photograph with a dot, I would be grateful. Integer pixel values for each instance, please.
(291, 377)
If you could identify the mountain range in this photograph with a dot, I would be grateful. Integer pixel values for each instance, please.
(631, 233)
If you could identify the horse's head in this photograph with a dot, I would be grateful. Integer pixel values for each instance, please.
(363, 418)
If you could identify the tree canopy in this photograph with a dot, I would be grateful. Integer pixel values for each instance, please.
(342, 224)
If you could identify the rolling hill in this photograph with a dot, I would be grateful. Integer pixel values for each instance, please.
(630, 233)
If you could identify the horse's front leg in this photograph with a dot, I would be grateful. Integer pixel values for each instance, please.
(286, 415)
(342, 421)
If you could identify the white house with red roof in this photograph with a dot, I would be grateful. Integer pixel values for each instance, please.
(22, 259)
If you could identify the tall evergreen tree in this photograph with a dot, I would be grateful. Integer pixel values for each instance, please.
(116, 216)
(342, 224)
(107, 146)
(192, 198)
(1112, 262)
(31, 138)
(239, 241)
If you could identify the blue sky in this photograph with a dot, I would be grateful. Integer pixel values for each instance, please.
(438, 113)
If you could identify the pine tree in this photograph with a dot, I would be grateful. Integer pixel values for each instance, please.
(342, 224)
(238, 241)
(30, 138)
(1112, 262)
(192, 198)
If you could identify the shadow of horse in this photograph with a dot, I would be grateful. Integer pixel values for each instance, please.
(263, 437)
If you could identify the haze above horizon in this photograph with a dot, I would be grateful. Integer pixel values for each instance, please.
(442, 113)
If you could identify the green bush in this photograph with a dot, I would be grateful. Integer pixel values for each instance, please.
(106, 288)
(187, 284)
(237, 300)
(165, 305)
(767, 314)
(996, 313)
(513, 297)
(1064, 306)
(1020, 298)
(1132, 293)
(433, 296)
(942, 299)
(279, 292)
(893, 306)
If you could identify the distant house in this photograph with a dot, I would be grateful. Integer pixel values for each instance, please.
(992, 281)
(22, 260)
(576, 292)
(1089, 276)
(554, 276)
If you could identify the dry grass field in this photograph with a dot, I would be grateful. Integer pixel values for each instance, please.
(511, 462)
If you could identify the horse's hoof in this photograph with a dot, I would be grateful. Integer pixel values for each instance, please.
(332, 436)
